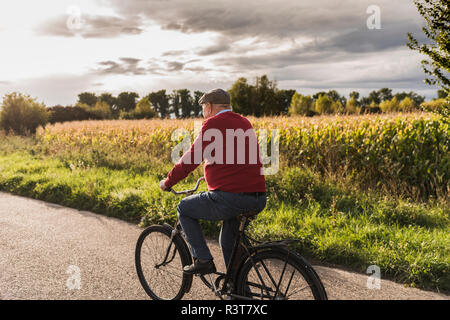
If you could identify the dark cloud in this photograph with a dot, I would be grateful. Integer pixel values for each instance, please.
(273, 19)
(90, 26)
(299, 42)
(133, 66)
(217, 48)
(329, 31)
(174, 53)
(198, 69)
(126, 66)
(175, 66)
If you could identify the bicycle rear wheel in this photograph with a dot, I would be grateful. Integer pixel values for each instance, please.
(159, 263)
(279, 276)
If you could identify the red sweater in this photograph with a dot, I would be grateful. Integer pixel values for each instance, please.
(237, 169)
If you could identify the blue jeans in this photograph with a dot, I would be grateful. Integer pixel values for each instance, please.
(215, 206)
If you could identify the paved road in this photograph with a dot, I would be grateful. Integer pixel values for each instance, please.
(43, 245)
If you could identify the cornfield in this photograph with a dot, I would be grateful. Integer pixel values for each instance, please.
(404, 154)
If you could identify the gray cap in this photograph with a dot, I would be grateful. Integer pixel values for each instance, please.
(216, 96)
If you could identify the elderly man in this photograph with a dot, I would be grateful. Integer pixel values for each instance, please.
(233, 175)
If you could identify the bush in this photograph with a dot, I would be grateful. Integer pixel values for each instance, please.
(143, 110)
(69, 113)
(407, 105)
(22, 114)
(324, 104)
(390, 105)
(301, 104)
(352, 106)
(101, 110)
(433, 105)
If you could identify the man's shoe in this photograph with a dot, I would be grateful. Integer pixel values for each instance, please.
(200, 267)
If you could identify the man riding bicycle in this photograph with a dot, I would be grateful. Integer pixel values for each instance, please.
(233, 173)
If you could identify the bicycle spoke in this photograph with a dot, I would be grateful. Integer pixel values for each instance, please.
(161, 265)
(290, 282)
(299, 290)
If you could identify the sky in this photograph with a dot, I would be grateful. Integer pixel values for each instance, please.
(55, 49)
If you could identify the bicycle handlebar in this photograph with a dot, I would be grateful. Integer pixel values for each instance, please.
(187, 191)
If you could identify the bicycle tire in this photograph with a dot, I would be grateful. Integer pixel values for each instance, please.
(167, 282)
(306, 277)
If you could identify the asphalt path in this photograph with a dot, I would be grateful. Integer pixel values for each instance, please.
(48, 251)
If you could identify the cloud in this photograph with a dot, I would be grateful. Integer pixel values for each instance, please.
(325, 32)
(127, 66)
(266, 19)
(53, 89)
(133, 66)
(90, 26)
(174, 53)
(217, 48)
(302, 44)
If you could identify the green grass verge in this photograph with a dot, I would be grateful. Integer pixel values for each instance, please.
(409, 241)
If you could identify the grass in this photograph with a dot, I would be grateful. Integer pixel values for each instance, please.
(334, 221)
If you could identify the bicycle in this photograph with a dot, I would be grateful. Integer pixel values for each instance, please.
(266, 270)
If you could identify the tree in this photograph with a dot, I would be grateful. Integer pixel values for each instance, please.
(301, 104)
(437, 16)
(407, 105)
(241, 96)
(385, 94)
(414, 96)
(101, 109)
(126, 101)
(197, 108)
(441, 94)
(324, 104)
(364, 102)
(374, 96)
(111, 101)
(390, 105)
(265, 97)
(22, 114)
(88, 98)
(175, 103)
(337, 107)
(186, 103)
(336, 97)
(318, 94)
(354, 95)
(77, 113)
(160, 102)
(284, 98)
(352, 106)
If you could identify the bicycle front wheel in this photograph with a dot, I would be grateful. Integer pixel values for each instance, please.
(277, 275)
(159, 263)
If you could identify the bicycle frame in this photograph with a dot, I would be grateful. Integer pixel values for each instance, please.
(242, 250)
(239, 257)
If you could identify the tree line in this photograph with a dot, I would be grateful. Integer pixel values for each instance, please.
(128, 105)
(20, 113)
(262, 98)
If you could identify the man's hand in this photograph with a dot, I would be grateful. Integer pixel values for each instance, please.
(163, 186)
